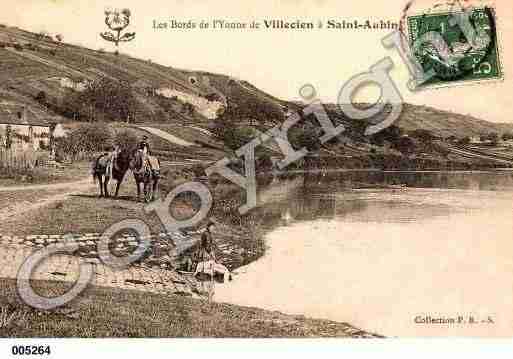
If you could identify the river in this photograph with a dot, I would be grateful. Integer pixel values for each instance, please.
(425, 254)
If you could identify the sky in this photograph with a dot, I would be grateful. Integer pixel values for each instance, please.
(277, 61)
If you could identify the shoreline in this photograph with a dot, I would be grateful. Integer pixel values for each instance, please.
(342, 170)
(293, 268)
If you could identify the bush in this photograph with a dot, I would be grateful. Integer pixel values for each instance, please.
(188, 109)
(464, 141)
(198, 171)
(126, 139)
(422, 135)
(235, 137)
(214, 97)
(507, 136)
(391, 134)
(307, 137)
(492, 136)
(16, 162)
(41, 97)
(87, 138)
(104, 99)
(406, 145)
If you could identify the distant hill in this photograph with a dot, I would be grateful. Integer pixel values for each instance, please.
(31, 65)
(445, 124)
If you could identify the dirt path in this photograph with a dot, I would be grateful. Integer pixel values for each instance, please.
(166, 136)
(47, 186)
(54, 193)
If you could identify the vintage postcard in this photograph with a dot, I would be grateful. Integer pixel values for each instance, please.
(255, 169)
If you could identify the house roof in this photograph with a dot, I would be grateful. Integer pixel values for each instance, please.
(9, 116)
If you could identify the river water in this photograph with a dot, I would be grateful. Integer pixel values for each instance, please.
(425, 254)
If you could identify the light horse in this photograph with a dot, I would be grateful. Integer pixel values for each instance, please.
(146, 170)
(103, 169)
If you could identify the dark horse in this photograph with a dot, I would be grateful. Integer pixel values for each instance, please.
(146, 170)
(102, 173)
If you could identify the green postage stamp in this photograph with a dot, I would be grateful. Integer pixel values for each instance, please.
(469, 51)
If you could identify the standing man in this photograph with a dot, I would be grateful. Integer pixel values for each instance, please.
(208, 266)
(112, 160)
(144, 145)
(206, 250)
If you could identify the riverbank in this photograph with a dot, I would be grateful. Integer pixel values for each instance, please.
(107, 313)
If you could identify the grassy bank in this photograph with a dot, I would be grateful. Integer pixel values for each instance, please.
(46, 175)
(104, 312)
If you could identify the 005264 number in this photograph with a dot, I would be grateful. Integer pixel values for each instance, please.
(30, 350)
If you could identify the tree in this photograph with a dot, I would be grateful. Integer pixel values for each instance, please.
(423, 135)
(391, 134)
(41, 98)
(8, 136)
(214, 97)
(305, 136)
(493, 137)
(188, 109)
(464, 141)
(42, 35)
(102, 99)
(506, 136)
(405, 145)
(92, 137)
(237, 136)
(126, 139)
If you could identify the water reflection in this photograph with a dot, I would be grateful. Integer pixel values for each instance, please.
(489, 181)
(379, 249)
(376, 196)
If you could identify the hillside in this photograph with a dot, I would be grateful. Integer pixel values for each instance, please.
(445, 124)
(31, 65)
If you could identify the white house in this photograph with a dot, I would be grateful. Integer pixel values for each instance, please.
(20, 129)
